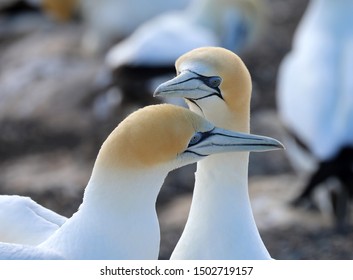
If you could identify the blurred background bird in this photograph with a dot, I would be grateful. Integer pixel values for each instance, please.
(105, 22)
(315, 102)
(108, 21)
(146, 58)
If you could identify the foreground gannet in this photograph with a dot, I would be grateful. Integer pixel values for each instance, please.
(315, 99)
(150, 52)
(23, 221)
(217, 85)
(117, 218)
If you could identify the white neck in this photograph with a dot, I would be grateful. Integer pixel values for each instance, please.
(104, 227)
(221, 223)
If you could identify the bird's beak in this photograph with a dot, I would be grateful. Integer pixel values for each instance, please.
(189, 85)
(220, 140)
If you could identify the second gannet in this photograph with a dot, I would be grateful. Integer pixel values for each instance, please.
(117, 218)
(217, 85)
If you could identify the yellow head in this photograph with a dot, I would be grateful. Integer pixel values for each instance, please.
(216, 84)
(171, 136)
(152, 135)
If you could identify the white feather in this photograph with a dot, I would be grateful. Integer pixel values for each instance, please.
(315, 88)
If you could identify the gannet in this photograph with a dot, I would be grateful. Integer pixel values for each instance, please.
(110, 20)
(150, 52)
(217, 85)
(23, 221)
(117, 218)
(315, 98)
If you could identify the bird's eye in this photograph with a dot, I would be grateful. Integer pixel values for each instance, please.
(214, 81)
(195, 139)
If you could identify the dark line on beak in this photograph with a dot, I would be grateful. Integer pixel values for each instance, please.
(257, 145)
(181, 82)
(194, 102)
(212, 94)
(192, 152)
(230, 136)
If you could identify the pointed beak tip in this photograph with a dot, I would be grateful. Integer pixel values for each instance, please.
(280, 146)
(159, 91)
(274, 144)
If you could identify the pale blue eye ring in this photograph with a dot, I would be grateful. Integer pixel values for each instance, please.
(214, 81)
(195, 139)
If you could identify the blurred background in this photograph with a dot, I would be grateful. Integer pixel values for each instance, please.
(61, 95)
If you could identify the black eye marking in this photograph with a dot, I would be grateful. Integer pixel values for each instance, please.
(199, 136)
(195, 139)
(212, 82)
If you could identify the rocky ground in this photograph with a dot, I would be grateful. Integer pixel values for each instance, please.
(52, 122)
